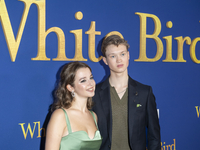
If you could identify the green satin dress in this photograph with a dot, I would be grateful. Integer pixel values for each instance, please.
(80, 140)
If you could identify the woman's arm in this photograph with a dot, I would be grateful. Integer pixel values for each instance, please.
(55, 130)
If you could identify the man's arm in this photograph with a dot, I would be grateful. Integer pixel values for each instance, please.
(153, 123)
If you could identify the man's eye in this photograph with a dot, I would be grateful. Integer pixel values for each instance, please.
(83, 81)
(112, 56)
(123, 54)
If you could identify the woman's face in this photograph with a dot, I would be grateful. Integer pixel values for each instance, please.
(84, 84)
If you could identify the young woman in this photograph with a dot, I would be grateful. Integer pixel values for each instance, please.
(72, 126)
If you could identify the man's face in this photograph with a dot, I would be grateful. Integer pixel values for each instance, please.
(117, 58)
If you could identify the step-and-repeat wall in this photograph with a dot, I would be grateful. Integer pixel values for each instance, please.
(37, 37)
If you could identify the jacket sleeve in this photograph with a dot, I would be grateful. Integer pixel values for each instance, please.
(153, 123)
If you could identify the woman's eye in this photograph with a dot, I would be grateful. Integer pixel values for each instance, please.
(112, 56)
(83, 81)
(92, 77)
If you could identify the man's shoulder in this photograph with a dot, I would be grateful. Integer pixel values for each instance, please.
(133, 82)
(99, 85)
(103, 84)
(138, 84)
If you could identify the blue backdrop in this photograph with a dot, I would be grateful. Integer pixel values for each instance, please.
(37, 37)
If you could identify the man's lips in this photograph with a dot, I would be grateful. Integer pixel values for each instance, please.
(119, 66)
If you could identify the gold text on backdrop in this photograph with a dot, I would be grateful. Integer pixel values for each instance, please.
(32, 131)
(13, 44)
(198, 110)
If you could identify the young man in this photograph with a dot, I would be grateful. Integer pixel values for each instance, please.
(125, 107)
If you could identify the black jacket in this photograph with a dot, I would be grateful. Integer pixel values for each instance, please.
(142, 115)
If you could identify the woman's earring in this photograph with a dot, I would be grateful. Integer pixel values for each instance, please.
(73, 94)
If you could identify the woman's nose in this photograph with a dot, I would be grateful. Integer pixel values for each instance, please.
(91, 82)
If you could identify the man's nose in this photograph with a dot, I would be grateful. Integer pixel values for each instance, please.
(119, 59)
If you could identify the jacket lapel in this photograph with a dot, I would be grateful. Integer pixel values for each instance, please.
(106, 104)
(132, 102)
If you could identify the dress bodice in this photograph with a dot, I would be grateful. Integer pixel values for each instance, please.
(79, 140)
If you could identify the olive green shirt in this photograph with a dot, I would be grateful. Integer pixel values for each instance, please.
(119, 120)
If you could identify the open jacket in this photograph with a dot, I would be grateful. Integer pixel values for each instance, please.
(143, 123)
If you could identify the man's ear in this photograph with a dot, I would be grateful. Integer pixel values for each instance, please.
(128, 55)
(105, 61)
(69, 88)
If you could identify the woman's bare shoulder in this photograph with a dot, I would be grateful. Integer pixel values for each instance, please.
(58, 115)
